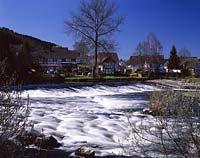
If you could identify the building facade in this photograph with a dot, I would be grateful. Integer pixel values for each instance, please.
(59, 58)
(197, 69)
(147, 63)
(108, 63)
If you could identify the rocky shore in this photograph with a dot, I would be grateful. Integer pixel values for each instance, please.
(46, 146)
(175, 92)
(178, 84)
(56, 153)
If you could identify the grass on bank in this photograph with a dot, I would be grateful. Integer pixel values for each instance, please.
(79, 77)
(187, 79)
(82, 77)
(192, 79)
(63, 78)
(118, 77)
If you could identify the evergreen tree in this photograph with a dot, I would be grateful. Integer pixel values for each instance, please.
(24, 61)
(6, 56)
(174, 60)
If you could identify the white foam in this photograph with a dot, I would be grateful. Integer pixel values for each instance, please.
(88, 115)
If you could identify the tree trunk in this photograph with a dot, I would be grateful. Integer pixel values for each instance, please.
(94, 75)
(95, 71)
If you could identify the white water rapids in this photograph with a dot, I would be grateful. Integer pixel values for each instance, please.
(93, 116)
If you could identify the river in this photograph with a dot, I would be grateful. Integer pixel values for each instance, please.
(94, 116)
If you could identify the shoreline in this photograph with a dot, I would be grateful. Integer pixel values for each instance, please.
(58, 153)
(78, 83)
(174, 84)
(67, 85)
(161, 83)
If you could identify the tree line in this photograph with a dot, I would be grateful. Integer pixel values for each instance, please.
(15, 53)
(94, 25)
(152, 48)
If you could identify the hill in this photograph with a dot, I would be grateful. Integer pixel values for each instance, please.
(8, 37)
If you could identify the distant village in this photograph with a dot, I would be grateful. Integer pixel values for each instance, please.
(63, 60)
(50, 59)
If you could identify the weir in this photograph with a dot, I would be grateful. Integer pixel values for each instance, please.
(92, 116)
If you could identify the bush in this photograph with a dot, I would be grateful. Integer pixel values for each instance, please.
(174, 131)
(13, 120)
(174, 103)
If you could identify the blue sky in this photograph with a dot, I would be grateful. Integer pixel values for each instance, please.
(172, 21)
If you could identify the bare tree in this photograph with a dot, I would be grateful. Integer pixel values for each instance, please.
(81, 47)
(184, 53)
(151, 46)
(149, 52)
(139, 51)
(95, 22)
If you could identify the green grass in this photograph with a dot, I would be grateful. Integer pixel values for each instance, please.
(192, 79)
(123, 77)
(82, 77)
(79, 77)
(116, 77)
(62, 75)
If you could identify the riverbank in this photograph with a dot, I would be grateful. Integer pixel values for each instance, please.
(177, 84)
(189, 89)
(75, 84)
(161, 83)
(56, 153)
(76, 116)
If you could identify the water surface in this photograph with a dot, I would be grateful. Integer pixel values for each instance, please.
(93, 116)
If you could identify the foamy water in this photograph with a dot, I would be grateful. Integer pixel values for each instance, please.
(92, 116)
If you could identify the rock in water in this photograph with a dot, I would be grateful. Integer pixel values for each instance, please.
(46, 142)
(85, 152)
(148, 112)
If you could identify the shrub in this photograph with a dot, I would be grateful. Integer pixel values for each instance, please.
(13, 120)
(174, 131)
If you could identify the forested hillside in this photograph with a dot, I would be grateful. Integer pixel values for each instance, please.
(16, 56)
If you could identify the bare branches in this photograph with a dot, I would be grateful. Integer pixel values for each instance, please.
(95, 22)
(184, 53)
(96, 16)
(173, 131)
(151, 46)
(14, 112)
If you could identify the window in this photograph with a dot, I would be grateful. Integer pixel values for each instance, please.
(108, 70)
(59, 60)
(68, 60)
(73, 60)
(109, 65)
(50, 60)
(78, 60)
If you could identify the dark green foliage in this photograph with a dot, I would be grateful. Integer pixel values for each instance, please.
(24, 62)
(16, 38)
(174, 60)
(17, 62)
(6, 38)
(15, 52)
